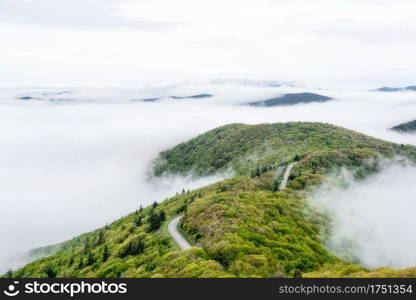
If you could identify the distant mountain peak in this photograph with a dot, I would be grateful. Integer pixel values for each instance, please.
(406, 127)
(291, 99)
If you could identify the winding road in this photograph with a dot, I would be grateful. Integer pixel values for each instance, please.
(286, 176)
(175, 234)
(173, 224)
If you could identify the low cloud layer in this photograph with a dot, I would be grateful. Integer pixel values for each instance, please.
(373, 220)
(67, 168)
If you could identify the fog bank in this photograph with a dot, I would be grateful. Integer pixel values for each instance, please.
(373, 220)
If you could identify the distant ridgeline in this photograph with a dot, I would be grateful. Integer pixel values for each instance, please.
(199, 96)
(406, 127)
(243, 226)
(53, 97)
(396, 89)
(291, 99)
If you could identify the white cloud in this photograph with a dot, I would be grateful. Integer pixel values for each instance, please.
(129, 42)
(77, 14)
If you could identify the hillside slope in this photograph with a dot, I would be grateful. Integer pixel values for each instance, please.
(246, 148)
(243, 226)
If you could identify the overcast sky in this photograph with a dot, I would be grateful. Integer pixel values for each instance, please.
(328, 43)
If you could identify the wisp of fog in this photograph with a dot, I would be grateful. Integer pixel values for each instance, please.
(373, 219)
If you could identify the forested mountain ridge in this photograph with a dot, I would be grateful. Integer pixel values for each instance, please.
(244, 148)
(243, 226)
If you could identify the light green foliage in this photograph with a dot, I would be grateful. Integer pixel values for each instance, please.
(255, 232)
(246, 228)
(339, 270)
(245, 148)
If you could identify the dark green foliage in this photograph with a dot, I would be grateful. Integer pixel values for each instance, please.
(105, 254)
(162, 216)
(90, 259)
(80, 263)
(155, 220)
(71, 261)
(260, 170)
(276, 186)
(86, 245)
(9, 273)
(101, 238)
(181, 209)
(138, 221)
(133, 248)
(50, 271)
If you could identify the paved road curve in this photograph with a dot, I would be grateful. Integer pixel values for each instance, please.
(174, 233)
(286, 176)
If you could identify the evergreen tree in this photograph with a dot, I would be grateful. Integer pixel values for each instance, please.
(276, 186)
(133, 248)
(9, 273)
(162, 216)
(181, 209)
(136, 247)
(139, 247)
(154, 221)
(90, 259)
(138, 221)
(154, 205)
(86, 245)
(106, 253)
(80, 264)
(101, 238)
(71, 261)
(50, 272)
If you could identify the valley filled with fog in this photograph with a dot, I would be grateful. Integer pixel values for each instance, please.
(74, 159)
